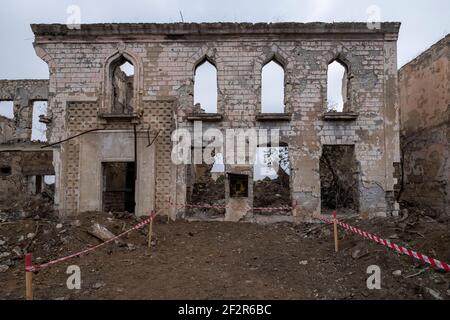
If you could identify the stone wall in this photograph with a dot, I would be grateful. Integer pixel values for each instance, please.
(425, 116)
(18, 154)
(165, 57)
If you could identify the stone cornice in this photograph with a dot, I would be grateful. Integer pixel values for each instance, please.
(175, 31)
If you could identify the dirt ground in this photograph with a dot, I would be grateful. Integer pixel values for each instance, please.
(220, 260)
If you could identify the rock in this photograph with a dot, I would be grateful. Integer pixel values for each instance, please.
(102, 233)
(36, 217)
(2, 242)
(303, 262)
(21, 238)
(76, 223)
(397, 273)
(31, 235)
(4, 255)
(131, 247)
(394, 236)
(17, 251)
(3, 268)
(434, 294)
(448, 292)
(59, 226)
(98, 285)
(359, 251)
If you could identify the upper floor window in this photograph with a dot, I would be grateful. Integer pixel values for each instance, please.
(122, 73)
(7, 109)
(205, 87)
(337, 87)
(39, 129)
(272, 88)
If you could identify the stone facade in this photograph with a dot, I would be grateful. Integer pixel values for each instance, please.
(165, 57)
(425, 116)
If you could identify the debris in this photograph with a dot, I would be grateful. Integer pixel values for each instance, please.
(3, 268)
(98, 285)
(31, 235)
(2, 242)
(416, 274)
(397, 273)
(59, 226)
(102, 233)
(18, 251)
(360, 251)
(4, 255)
(434, 294)
(303, 262)
(76, 223)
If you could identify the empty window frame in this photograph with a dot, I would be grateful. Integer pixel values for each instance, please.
(7, 109)
(39, 129)
(337, 87)
(122, 81)
(272, 88)
(238, 185)
(205, 87)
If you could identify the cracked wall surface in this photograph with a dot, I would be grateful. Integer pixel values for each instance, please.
(425, 116)
(165, 57)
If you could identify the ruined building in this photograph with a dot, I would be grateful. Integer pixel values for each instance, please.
(117, 92)
(24, 165)
(425, 116)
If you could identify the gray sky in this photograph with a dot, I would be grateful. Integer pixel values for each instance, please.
(423, 22)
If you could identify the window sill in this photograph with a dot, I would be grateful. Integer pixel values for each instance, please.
(208, 117)
(273, 117)
(118, 117)
(339, 116)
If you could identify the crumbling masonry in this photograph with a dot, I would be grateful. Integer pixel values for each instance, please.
(425, 135)
(83, 94)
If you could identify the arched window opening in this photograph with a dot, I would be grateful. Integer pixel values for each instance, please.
(205, 87)
(337, 87)
(122, 72)
(272, 88)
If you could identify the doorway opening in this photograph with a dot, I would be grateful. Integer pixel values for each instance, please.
(119, 186)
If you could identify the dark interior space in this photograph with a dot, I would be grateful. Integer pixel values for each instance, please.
(119, 186)
(339, 178)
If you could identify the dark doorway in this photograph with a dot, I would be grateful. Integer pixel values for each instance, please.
(118, 186)
(339, 178)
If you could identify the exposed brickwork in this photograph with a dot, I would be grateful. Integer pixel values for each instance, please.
(425, 136)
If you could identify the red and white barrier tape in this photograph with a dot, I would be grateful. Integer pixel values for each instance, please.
(34, 268)
(387, 243)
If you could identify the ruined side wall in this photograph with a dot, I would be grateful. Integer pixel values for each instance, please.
(167, 60)
(22, 93)
(17, 153)
(425, 117)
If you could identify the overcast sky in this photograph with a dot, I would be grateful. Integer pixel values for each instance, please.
(423, 22)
